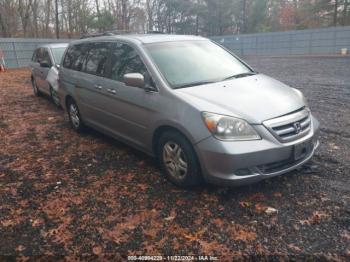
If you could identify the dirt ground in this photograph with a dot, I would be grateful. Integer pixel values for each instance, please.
(88, 196)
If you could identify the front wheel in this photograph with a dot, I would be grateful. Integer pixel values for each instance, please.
(178, 160)
(74, 116)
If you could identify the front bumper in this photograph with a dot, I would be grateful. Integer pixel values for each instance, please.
(239, 163)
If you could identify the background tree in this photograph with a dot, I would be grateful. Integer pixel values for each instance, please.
(37, 18)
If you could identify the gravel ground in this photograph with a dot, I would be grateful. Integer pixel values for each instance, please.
(87, 196)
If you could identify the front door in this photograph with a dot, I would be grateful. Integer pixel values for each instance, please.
(130, 110)
(44, 71)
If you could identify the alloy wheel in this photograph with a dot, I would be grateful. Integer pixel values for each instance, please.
(175, 160)
(74, 115)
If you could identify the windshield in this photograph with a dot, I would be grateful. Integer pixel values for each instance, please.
(189, 63)
(58, 53)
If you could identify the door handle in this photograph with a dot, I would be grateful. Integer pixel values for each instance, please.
(112, 91)
(98, 87)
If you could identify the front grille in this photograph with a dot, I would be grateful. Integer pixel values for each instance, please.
(290, 127)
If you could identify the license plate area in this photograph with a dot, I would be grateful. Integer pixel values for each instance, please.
(302, 150)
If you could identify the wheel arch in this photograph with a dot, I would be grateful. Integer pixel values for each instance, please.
(165, 128)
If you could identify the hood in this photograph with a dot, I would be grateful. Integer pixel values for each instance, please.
(253, 98)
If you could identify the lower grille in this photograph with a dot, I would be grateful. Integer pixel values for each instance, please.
(290, 127)
(280, 165)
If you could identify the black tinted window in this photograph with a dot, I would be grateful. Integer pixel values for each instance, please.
(46, 57)
(125, 60)
(75, 56)
(96, 60)
(39, 55)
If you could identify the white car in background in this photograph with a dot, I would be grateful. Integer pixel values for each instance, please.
(45, 64)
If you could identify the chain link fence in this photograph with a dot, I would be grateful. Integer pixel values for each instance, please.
(18, 51)
(324, 41)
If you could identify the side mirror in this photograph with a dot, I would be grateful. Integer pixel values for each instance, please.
(134, 79)
(44, 64)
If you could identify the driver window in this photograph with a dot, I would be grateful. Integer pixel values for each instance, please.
(125, 60)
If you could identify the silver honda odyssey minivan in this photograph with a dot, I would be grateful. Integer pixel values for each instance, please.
(203, 112)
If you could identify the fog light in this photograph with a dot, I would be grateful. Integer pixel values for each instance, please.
(243, 172)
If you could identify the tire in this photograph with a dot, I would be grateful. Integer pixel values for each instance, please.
(178, 160)
(54, 97)
(74, 116)
(36, 90)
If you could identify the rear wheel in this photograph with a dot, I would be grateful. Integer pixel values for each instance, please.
(54, 97)
(178, 160)
(74, 116)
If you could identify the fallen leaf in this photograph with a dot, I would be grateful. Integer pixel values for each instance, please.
(345, 235)
(260, 207)
(20, 248)
(244, 235)
(277, 194)
(244, 204)
(7, 223)
(294, 248)
(271, 210)
(97, 250)
(317, 217)
(190, 237)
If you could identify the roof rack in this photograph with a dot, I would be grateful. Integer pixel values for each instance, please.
(107, 33)
(116, 32)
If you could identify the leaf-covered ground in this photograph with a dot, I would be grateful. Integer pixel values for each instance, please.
(88, 196)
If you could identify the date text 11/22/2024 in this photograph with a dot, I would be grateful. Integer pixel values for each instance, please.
(173, 258)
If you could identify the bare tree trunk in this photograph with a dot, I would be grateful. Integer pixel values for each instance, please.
(70, 18)
(149, 12)
(3, 27)
(34, 6)
(335, 18)
(345, 12)
(57, 22)
(244, 18)
(98, 12)
(124, 10)
(23, 10)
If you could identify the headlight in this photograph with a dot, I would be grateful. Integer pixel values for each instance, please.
(229, 128)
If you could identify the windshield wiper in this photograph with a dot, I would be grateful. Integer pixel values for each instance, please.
(240, 75)
(195, 84)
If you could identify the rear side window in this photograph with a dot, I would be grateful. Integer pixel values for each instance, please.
(96, 60)
(75, 57)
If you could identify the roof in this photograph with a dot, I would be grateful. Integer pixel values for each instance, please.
(143, 38)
